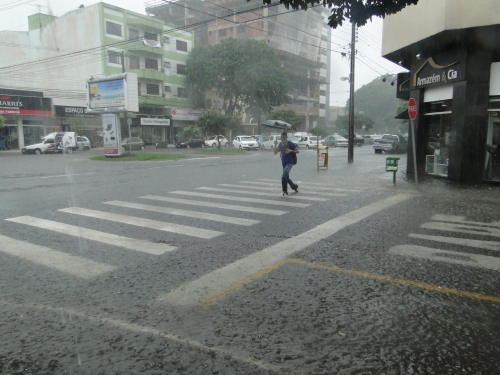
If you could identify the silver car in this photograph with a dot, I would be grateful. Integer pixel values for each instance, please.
(83, 143)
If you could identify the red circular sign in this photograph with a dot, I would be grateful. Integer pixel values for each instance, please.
(412, 108)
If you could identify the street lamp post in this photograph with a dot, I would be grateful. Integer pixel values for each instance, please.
(350, 145)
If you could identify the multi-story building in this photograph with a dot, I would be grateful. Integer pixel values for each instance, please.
(55, 57)
(302, 39)
(450, 49)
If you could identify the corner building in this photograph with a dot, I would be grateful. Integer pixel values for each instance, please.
(452, 53)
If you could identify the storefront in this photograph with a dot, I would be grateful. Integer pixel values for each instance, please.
(77, 119)
(28, 117)
(182, 117)
(153, 130)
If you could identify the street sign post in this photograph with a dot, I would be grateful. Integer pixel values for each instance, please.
(412, 112)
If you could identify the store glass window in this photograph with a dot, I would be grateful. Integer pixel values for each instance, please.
(32, 134)
(437, 137)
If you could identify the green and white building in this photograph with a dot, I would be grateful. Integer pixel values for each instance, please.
(56, 56)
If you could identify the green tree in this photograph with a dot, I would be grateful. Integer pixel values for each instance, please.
(320, 131)
(359, 121)
(288, 116)
(192, 131)
(242, 72)
(355, 11)
(217, 123)
(2, 121)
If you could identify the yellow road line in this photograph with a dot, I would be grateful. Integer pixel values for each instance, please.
(233, 288)
(375, 276)
(396, 280)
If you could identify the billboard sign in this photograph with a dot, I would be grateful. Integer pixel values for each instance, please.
(110, 135)
(113, 93)
(65, 111)
(25, 105)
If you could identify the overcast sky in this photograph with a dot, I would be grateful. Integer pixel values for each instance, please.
(369, 65)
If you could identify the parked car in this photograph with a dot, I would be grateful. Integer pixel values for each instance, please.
(268, 143)
(335, 141)
(214, 140)
(309, 141)
(83, 143)
(295, 139)
(373, 138)
(133, 143)
(358, 140)
(245, 142)
(191, 142)
(260, 140)
(38, 148)
(390, 143)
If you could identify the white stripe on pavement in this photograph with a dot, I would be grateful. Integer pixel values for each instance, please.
(461, 220)
(146, 223)
(248, 192)
(309, 184)
(219, 280)
(94, 235)
(278, 188)
(454, 257)
(191, 214)
(71, 264)
(459, 228)
(241, 199)
(218, 205)
(490, 245)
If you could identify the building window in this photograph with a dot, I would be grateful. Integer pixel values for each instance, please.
(240, 29)
(152, 89)
(151, 64)
(133, 34)
(168, 89)
(139, 88)
(166, 40)
(181, 46)
(181, 69)
(166, 64)
(322, 92)
(222, 32)
(114, 57)
(135, 62)
(321, 106)
(181, 92)
(150, 36)
(113, 29)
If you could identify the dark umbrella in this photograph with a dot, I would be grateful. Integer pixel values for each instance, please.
(278, 124)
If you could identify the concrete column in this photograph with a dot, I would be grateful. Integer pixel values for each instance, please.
(20, 132)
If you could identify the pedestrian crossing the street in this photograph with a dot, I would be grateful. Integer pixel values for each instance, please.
(455, 224)
(259, 200)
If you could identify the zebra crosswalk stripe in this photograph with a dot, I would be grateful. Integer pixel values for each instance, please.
(94, 235)
(191, 214)
(67, 263)
(461, 220)
(278, 188)
(308, 184)
(238, 191)
(454, 257)
(490, 245)
(240, 199)
(223, 206)
(462, 228)
(147, 223)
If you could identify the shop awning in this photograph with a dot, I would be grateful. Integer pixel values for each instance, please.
(403, 115)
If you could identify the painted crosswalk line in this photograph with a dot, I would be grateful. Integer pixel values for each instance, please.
(248, 192)
(308, 184)
(454, 257)
(223, 206)
(146, 223)
(191, 214)
(241, 199)
(462, 228)
(58, 260)
(461, 220)
(94, 235)
(215, 284)
(490, 245)
(277, 187)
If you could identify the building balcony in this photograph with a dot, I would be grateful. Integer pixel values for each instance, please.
(156, 75)
(141, 48)
(154, 100)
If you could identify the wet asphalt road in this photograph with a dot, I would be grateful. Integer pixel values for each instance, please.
(375, 278)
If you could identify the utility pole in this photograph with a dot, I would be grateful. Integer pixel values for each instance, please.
(125, 117)
(350, 146)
